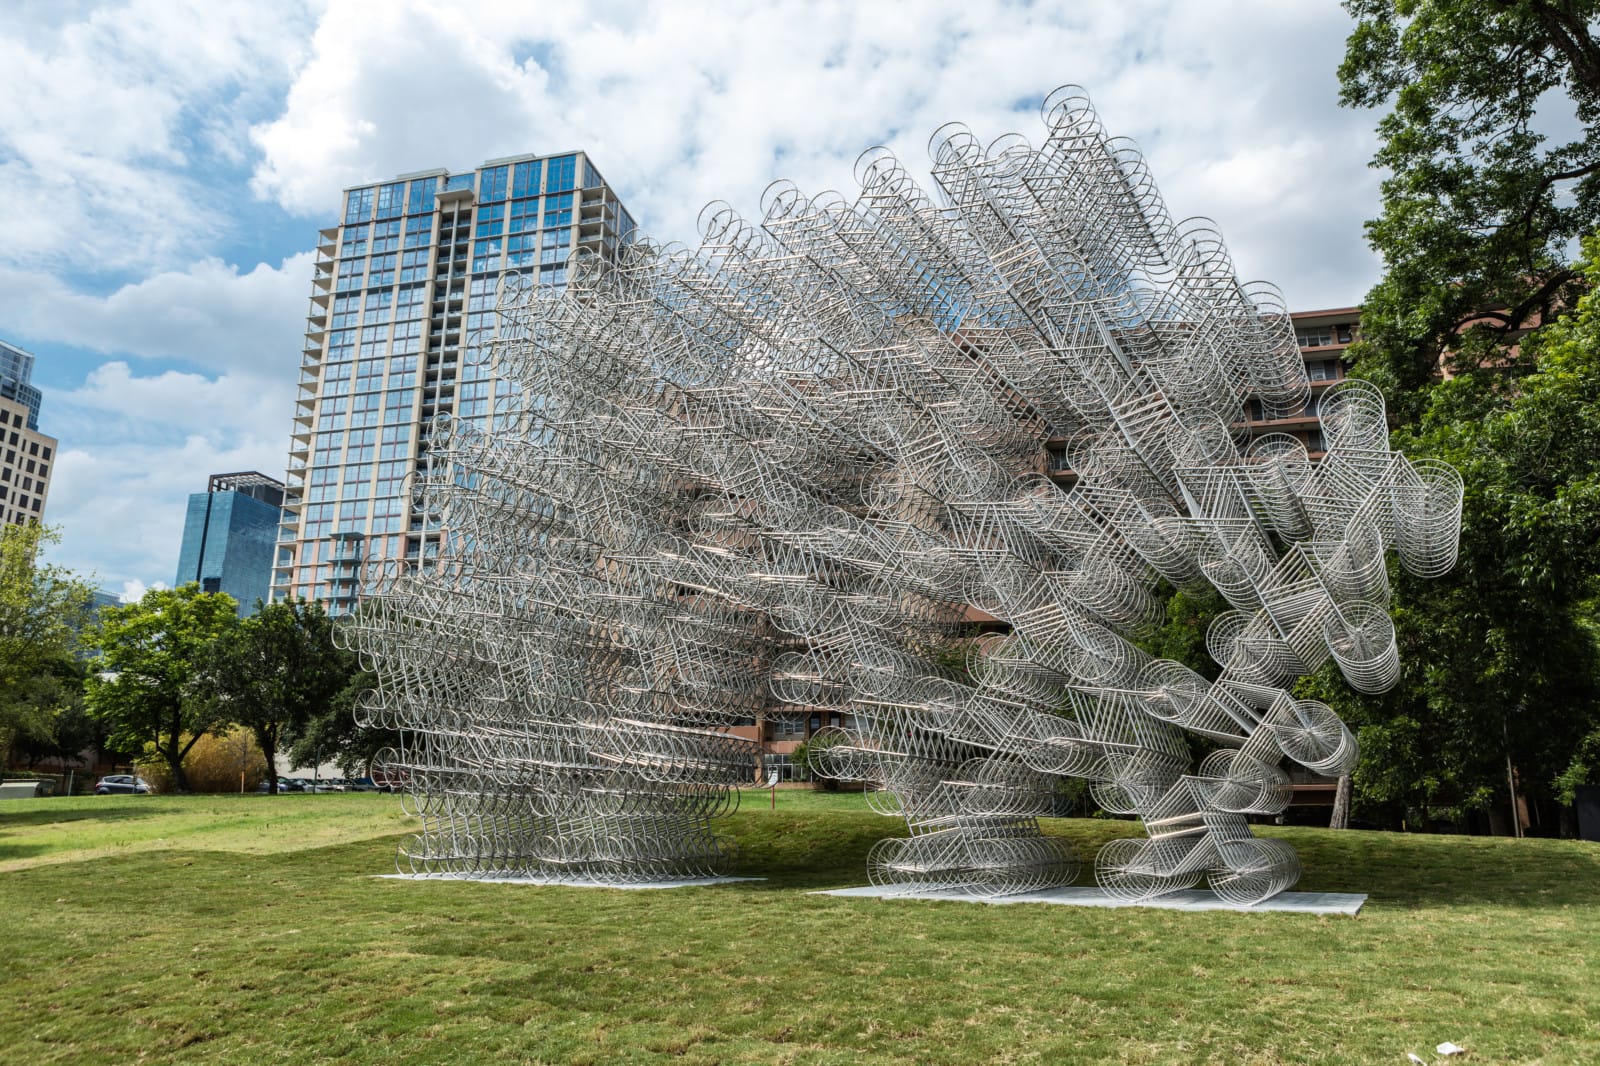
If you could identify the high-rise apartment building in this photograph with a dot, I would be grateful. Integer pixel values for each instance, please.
(403, 286)
(229, 537)
(26, 455)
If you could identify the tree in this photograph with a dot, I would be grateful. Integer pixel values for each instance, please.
(151, 656)
(58, 726)
(1500, 656)
(42, 608)
(278, 672)
(1182, 636)
(1480, 208)
(335, 732)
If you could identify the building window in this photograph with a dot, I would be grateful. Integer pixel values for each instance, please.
(563, 174)
(492, 184)
(358, 205)
(1322, 370)
(525, 178)
(391, 200)
(420, 200)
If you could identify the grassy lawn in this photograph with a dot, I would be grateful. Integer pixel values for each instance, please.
(248, 929)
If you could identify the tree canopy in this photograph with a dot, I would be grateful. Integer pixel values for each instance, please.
(1487, 345)
(1494, 174)
(278, 672)
(42, 608)
(151, 654)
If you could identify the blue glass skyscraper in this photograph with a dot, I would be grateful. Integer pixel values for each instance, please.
(229, 537)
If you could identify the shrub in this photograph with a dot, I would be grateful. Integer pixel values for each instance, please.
(212, 765)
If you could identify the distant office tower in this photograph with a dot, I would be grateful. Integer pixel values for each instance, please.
(26, 455)
(403, 288)
(16, 367)
(229, 537)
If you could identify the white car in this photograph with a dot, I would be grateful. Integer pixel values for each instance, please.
(121, 784)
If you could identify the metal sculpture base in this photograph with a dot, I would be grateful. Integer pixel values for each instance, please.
(1189, 900)
(549, 882)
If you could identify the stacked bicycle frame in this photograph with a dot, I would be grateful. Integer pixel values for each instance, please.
(774, 475)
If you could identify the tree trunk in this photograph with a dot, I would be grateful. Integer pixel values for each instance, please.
(270, 749)
(1341, 804)
(180, 780)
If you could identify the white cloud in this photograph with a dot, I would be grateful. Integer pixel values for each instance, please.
(121, 507)
(681, 104)
(208, 314)
(134, 448)
(133, 591)
(105, 111)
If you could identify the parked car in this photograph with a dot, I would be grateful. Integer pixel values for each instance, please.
(123, 784)
(285, 784)
(360, 784)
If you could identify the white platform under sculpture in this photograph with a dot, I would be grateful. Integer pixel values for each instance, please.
(686, 882)
(1191, 900)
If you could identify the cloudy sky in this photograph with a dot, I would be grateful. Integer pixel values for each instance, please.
(165, 166)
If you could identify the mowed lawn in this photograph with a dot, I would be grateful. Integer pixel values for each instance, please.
(250, 929)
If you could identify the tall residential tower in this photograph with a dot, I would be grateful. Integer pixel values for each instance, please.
(403, 285)
(26, 455)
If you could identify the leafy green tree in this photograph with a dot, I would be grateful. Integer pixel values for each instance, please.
(59, 727)
(333, 733)
(1481, 207)
(277, 672)
(1500, 656)
(1182, 634)
(42, 608)
(151, 657)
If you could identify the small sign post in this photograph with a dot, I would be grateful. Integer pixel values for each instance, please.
(772, 783)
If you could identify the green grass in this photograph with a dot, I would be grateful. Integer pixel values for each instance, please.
(248, 929)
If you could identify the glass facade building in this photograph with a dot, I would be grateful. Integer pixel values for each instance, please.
(404, 287)
(230, 535)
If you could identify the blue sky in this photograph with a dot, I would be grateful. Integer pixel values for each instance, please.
(165, 167)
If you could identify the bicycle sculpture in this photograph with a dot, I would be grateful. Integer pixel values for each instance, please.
(770, 476)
